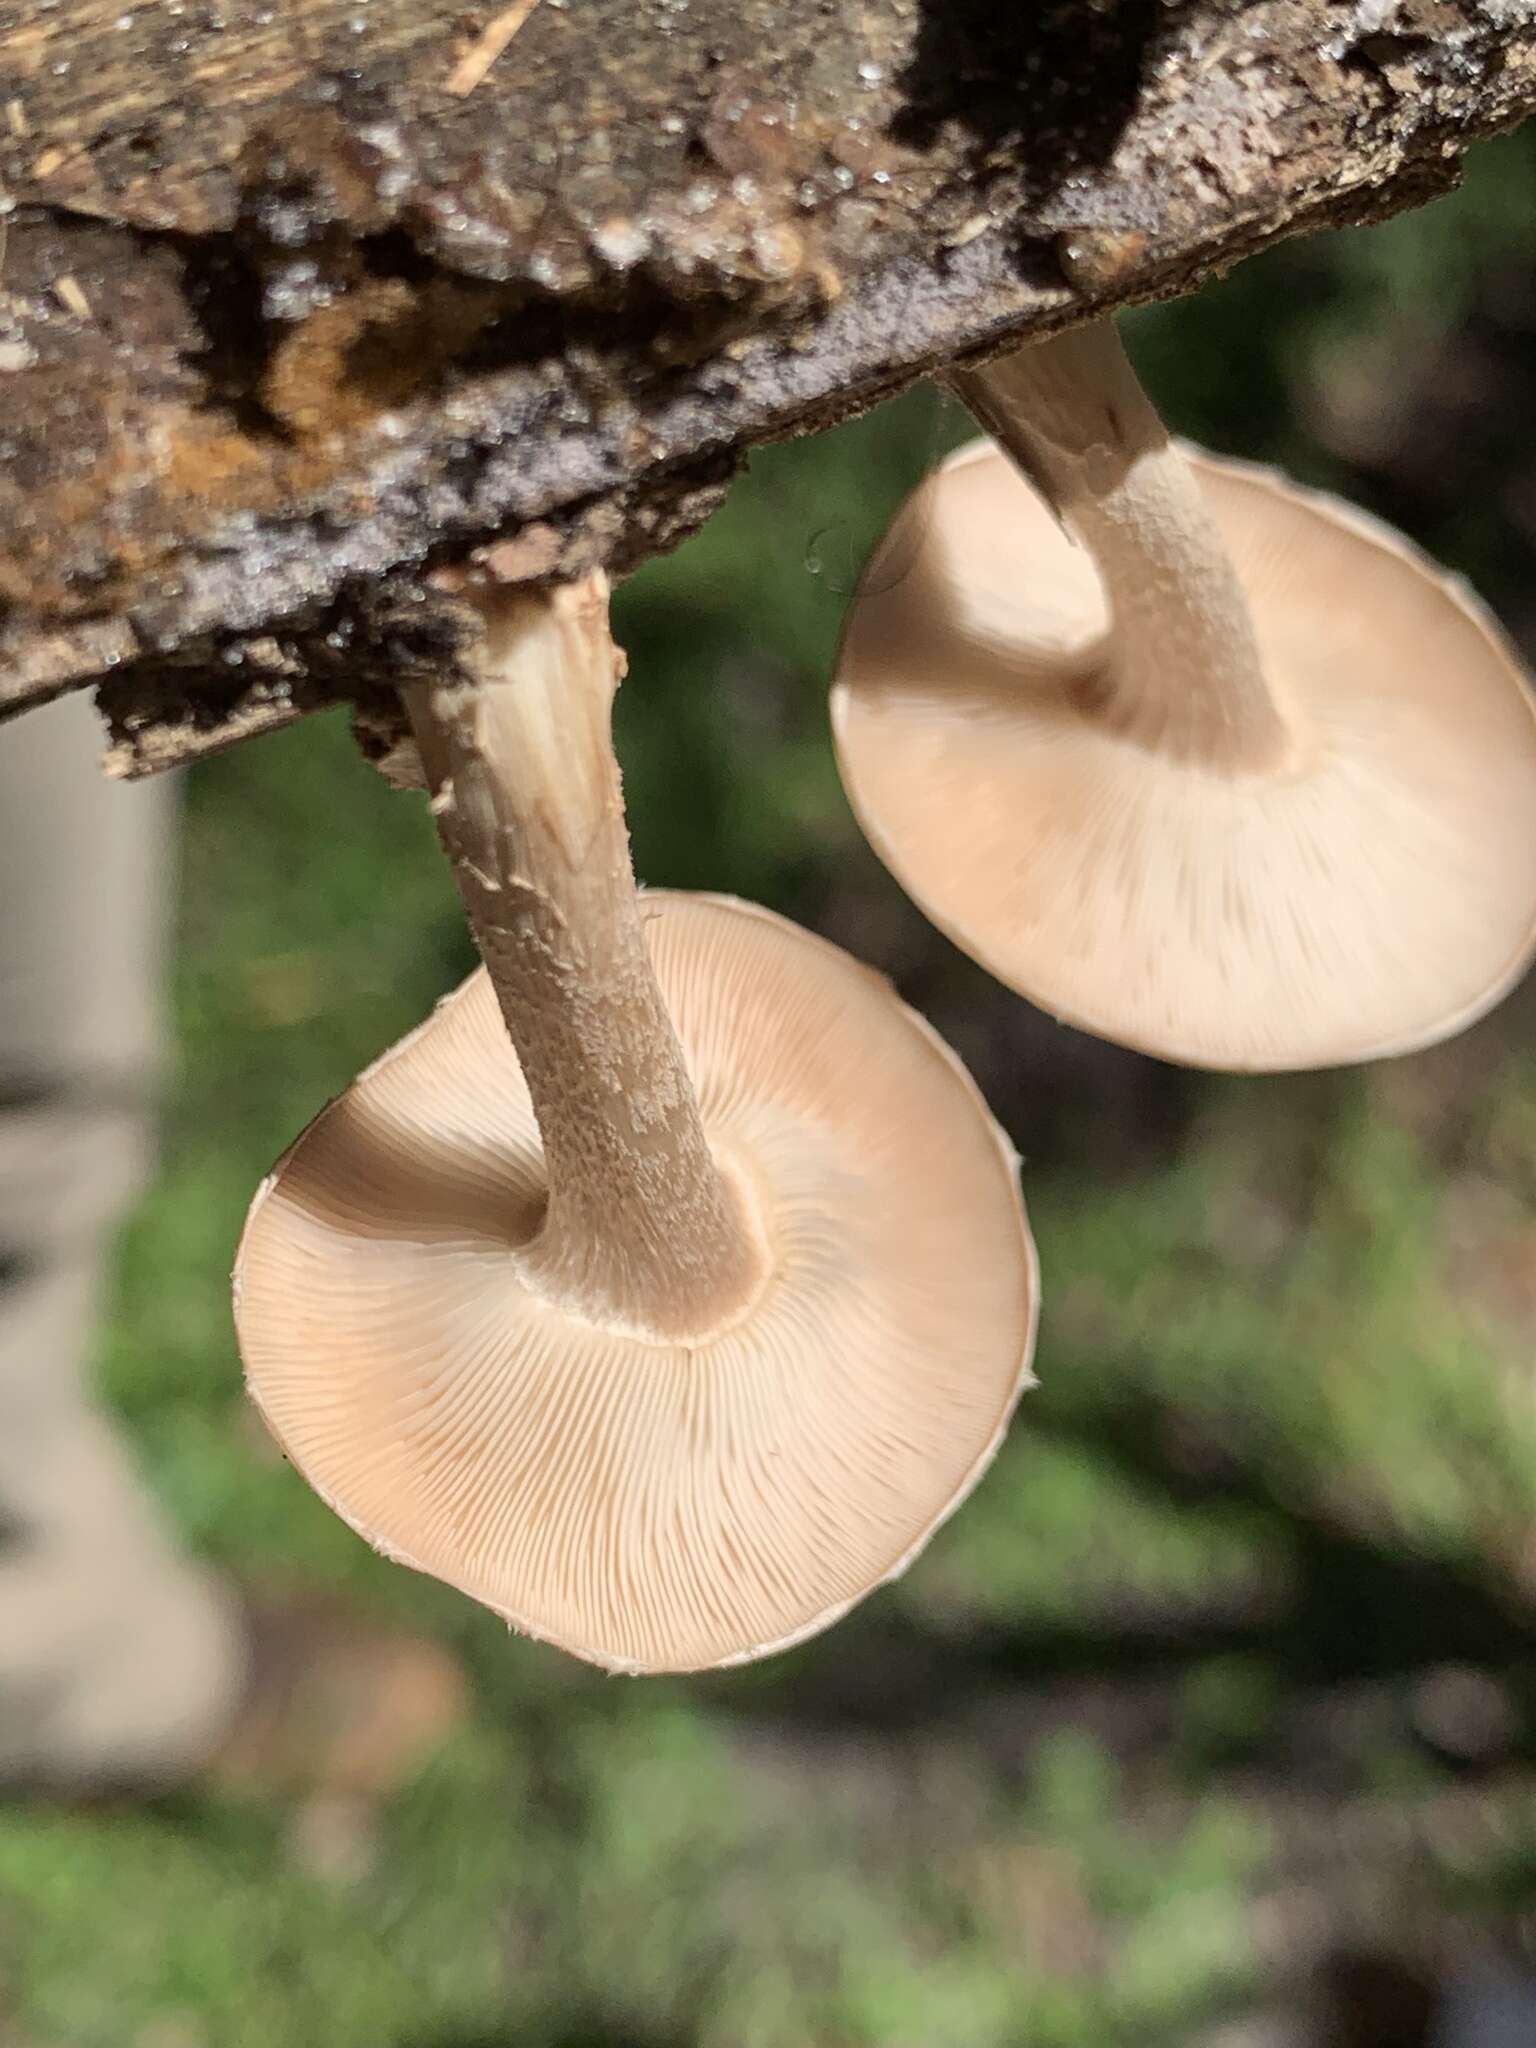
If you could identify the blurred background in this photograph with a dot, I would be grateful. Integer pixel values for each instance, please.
(1211, 1721)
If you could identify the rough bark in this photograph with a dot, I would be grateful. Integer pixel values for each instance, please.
(285, 318)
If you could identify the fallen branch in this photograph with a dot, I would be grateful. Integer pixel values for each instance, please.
(285, 318)
(474, 66)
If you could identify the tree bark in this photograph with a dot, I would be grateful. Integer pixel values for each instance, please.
(301, 298)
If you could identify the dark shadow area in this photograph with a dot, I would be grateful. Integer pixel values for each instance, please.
(1361, 1613)
(1364, 1609)
(582, 2030)
(1070, 1101)
(1374, 2000)
(987, 67)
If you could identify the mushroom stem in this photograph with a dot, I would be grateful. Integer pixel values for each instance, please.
(641, 1227)
(1184, 674)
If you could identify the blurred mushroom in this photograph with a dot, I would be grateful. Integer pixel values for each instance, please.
(1196, 759)
(677, 1329)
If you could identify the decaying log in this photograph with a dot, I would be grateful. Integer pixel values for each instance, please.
(301, 296)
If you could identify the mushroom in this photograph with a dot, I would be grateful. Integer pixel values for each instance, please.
(668, 1286)
(1196, 759)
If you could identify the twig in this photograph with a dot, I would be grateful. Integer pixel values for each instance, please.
(70, 294)
(487, 47)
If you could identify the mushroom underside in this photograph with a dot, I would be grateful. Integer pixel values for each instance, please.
(1372, 893)
(648, 1505)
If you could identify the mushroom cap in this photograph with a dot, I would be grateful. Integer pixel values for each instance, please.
(654, 1506)
(1374, 893)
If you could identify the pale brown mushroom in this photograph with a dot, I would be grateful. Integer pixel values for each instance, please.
(677, 1329)
(1194, 758)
